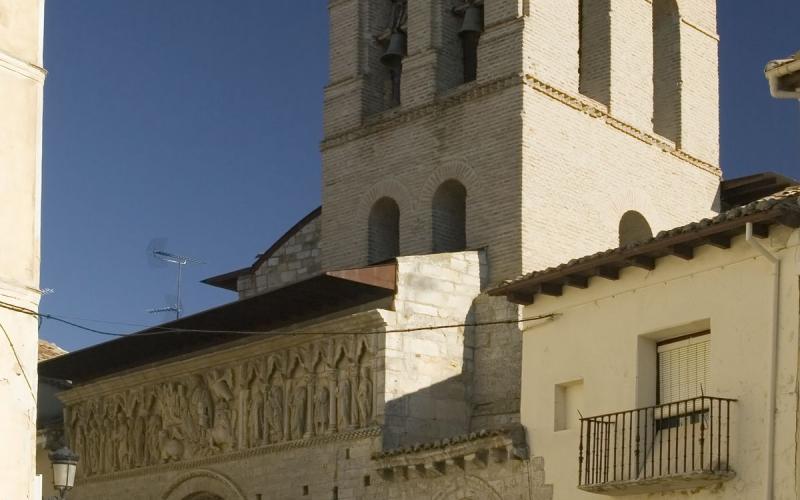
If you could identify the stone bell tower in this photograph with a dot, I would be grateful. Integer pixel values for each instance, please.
(529, 128)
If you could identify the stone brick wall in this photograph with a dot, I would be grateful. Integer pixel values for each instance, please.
(428, 372)
(298, 258)
(538, 191)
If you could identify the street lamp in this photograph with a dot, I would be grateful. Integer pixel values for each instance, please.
(65, 463)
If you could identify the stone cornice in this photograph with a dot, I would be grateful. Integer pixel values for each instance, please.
(459, 454)
(596, 110)
(31, 71)
(368, 433)
(395, 117)
(472, 91)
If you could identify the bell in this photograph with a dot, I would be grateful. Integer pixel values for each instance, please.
(473, 21)
(393, 57)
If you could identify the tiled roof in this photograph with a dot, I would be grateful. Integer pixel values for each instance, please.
(48, 350)
(781, 207)
(441, 443)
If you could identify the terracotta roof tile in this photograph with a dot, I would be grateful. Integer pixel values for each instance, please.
(788, 199)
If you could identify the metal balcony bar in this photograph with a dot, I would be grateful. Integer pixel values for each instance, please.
(686, 437)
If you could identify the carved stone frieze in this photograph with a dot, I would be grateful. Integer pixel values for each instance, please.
(317, 389)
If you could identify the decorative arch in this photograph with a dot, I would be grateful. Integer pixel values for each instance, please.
(454, 169)
(457, 169)
(667, 77)
(387, 188)
(203, 484)
(468, 488)
(383, 230)
(630, 201)
(633, 228)
(449, 217)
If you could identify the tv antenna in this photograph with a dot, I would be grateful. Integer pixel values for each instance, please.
(162, 257)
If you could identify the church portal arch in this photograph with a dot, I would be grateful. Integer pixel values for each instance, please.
(203, 484)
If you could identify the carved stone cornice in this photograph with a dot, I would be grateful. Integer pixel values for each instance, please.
(367, 433)
(597, 110)
(399, 116)
(438, 458)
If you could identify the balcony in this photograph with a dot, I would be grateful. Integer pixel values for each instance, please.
(675, 446)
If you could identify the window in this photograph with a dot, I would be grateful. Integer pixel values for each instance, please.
(594, 52)
(568, 404)
(683, 368)
(384, 231)
(667, 70)
(449, 217)
(633, 228)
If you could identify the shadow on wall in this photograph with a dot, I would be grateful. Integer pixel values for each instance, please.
(442, 409)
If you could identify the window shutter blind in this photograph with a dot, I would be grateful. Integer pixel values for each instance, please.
(683, 369)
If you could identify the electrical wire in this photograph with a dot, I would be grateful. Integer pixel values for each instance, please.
(159, 330)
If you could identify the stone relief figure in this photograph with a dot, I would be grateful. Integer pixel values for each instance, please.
(202, 409)
(153, 439)
(221, 436)
(108, 459)
(322, 409)
(327, 387)
(364, 398)
(94, 448)
(343, 403)
(137, 438)
(297, 411)
(273, 431)
(256, 414)
(120, 440)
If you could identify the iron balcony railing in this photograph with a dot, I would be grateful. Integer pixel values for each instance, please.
(685, 437)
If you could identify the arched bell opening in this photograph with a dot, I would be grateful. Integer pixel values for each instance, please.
(383, 231)
(449, 213)
(633, 228)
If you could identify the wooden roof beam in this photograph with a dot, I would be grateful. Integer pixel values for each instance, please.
(761, 230)
(552, 289)
(521, 298)
(683, 251)
(646, 262)
(722, 241)
(577, 281)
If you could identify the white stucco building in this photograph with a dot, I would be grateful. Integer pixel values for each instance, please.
(670, 365)
(21, 88)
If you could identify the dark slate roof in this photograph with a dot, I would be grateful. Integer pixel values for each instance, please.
(326, 294)
(778, 208)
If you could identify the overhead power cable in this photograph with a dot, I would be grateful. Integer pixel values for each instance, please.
(160, 330)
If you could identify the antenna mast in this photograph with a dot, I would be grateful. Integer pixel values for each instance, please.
(180, 261)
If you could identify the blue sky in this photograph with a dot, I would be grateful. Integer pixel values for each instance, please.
(200, 121)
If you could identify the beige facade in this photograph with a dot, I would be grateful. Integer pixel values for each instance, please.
(21, 84)
(598, 356)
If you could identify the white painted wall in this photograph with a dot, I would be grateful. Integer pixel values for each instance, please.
(606, 335)
(21, 82)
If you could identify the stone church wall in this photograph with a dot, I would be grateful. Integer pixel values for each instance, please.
(298, 258)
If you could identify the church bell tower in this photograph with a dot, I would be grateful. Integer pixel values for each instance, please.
(551, 118)
(537, 130)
